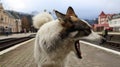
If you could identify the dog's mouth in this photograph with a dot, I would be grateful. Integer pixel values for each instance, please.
(77, 48)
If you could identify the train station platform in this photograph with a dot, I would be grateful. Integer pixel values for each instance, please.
(110, 33)
(22, 56)
(15, 35)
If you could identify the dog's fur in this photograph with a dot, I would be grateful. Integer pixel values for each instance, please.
(55, 38)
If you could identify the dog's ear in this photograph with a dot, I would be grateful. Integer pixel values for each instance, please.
(70, 12)
(59, 15)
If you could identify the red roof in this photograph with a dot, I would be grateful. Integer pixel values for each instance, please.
(101, 25)
(102, 14)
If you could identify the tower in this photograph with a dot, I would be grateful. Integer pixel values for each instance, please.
(1, 6)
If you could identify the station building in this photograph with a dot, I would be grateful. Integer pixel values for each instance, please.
(9, 22)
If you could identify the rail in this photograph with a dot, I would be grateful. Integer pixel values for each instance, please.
(6, 43)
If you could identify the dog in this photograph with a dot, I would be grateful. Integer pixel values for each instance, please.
(55, 39)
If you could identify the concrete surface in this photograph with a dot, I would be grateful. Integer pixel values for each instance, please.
(92, 57)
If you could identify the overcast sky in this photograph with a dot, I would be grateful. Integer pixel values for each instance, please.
(86, 9)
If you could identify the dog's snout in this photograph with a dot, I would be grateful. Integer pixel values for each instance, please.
(87, 32)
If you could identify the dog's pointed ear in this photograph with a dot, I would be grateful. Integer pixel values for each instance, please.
(70, 12)
(59, 15)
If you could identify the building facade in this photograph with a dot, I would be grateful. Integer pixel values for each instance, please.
(8, 22)
(102, 22)
(17, 20)
(114, 22)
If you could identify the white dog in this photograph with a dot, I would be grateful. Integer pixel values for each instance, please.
(57, 38)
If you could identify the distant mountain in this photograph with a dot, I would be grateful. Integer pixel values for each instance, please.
(91, 22)
(35, 13)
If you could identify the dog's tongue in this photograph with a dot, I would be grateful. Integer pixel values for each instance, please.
(77, 48)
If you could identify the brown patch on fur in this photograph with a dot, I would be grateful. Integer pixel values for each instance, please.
(70, 12)
(74, 19)
(71, 23)
(64, 33)
(67, 24)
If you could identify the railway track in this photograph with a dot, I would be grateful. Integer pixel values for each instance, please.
(112, 45)
(113, 42)
(6, 43)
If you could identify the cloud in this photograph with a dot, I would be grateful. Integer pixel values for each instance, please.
(84, 8)
(15, 5)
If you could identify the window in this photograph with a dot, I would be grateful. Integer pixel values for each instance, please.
(1, 19)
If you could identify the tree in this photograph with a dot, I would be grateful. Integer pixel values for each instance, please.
(25, 23)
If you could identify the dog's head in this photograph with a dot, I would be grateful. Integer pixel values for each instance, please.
(72, 24)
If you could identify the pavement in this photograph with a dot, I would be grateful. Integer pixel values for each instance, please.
(15, 35)
(94, 57)
(22, 56)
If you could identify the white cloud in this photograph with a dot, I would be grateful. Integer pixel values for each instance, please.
(84, 8)
(15, 4)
